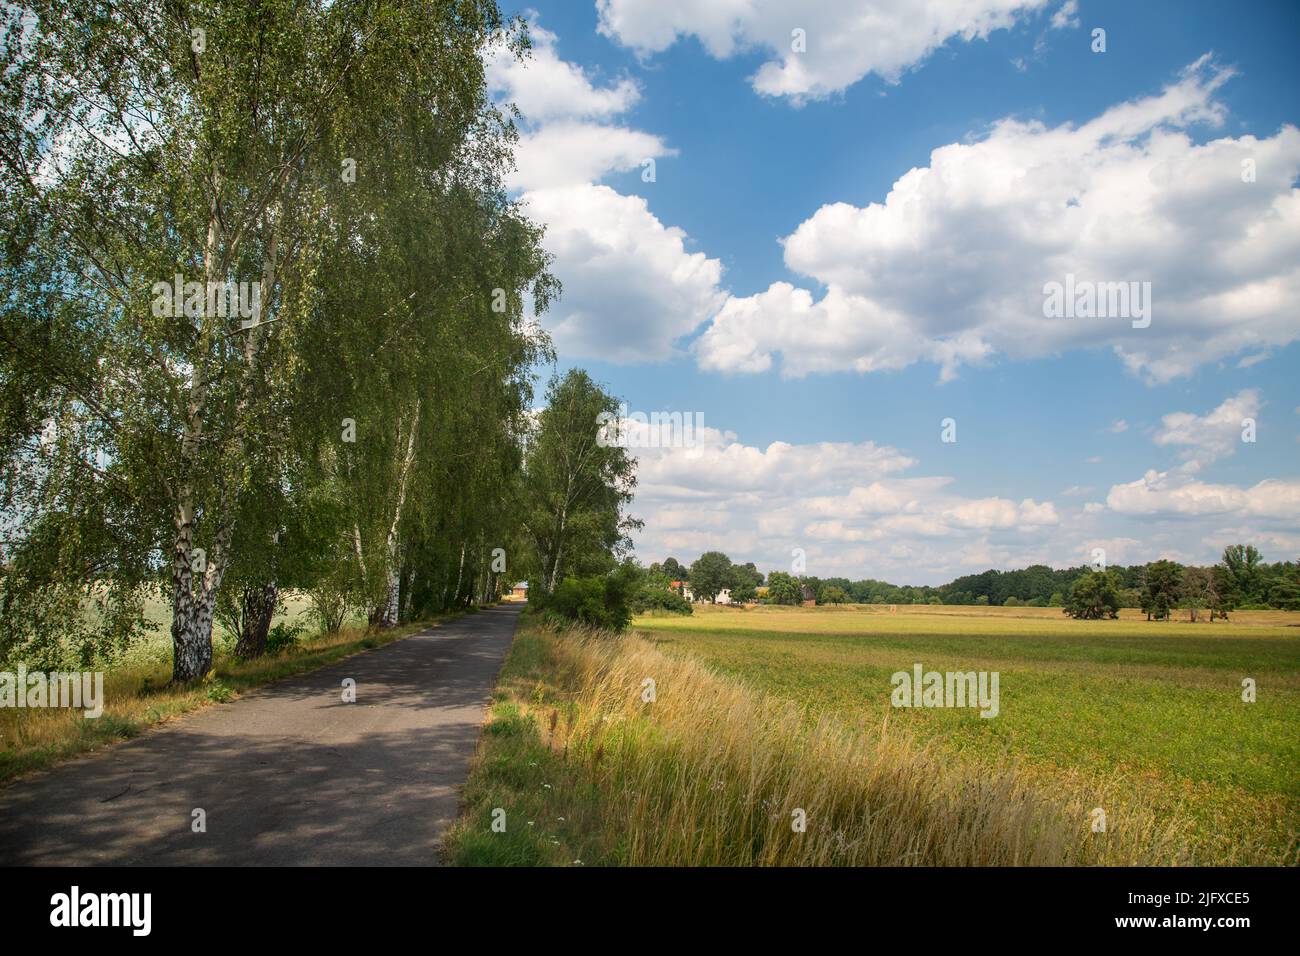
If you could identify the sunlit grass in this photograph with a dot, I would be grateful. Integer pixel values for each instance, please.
(1156, 705)
(712, 771)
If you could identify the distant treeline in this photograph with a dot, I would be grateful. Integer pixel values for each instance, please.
(1256, 584)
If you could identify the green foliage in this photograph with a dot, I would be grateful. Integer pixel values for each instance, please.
(1095, 596)
(832, 595)
(284, 637)
(710, 574)
(131, 439)
(575, 486)
(1241, 580)
(674, 570)
(782, 588)
(744, 591)
(1161, 588)
(1243, 574)
(602, 601)
(653, 598)
(1285, 594)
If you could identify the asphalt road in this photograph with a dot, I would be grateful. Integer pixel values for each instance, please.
(287, 775)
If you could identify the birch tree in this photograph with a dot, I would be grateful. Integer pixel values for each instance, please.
(576, 486)
(172, 179)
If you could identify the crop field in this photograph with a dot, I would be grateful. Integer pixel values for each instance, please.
(1137, 711)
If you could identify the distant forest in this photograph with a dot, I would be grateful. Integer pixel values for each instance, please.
(1254, 584)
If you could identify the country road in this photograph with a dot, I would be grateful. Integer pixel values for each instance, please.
(288, 774)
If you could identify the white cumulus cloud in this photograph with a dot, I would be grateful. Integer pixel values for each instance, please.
(843, 42)
(1164, 493)
(951, 267)
(850, 506)
(1209, 437)
(631, 285)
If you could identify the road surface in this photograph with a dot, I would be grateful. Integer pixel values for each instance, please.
(288, 774)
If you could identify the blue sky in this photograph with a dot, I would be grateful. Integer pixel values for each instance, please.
(774, 167)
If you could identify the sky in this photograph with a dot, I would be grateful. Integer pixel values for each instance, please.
(831, 229)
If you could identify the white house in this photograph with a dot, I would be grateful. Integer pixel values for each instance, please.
(724, 596)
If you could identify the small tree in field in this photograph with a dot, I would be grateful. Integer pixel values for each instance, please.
(833, 594)
(1095, 596)
(1161, 586)
(1223, 593)
(1195, 591)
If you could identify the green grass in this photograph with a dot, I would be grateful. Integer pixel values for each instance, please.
(1158, 703)
(551, 812)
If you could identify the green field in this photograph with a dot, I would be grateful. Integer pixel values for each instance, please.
(1150, 711)
(155, 648)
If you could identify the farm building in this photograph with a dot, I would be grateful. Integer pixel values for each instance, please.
(724, 596)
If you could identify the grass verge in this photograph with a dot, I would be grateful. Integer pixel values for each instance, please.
(137, 696)
(581, 769)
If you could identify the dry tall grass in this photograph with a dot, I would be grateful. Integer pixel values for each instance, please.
(712, 773)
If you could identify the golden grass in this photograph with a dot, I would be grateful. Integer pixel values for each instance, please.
(712, 772)
(965, 619)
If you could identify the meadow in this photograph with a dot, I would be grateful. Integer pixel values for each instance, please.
(1144, 720)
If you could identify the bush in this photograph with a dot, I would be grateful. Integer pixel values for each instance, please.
(283, 637)
(651, 598)
(598, 601)
(330, 600)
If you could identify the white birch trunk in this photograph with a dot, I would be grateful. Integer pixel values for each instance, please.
(392, 567)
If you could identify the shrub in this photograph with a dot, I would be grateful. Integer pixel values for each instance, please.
(283, 637)
(599, 601)
(652, 598)
(330, 600)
